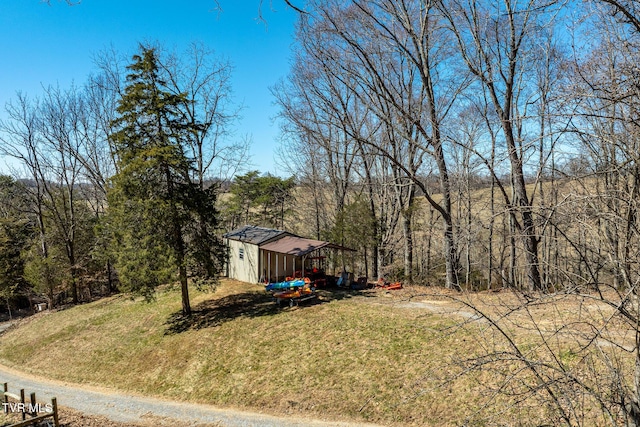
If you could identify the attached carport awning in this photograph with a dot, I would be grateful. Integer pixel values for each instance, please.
(298, 246)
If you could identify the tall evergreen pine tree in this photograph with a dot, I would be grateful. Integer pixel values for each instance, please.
(161, 222)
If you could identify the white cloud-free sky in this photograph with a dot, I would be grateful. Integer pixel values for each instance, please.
(44, 44)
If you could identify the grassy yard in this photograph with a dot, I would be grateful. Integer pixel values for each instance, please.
(359, 357)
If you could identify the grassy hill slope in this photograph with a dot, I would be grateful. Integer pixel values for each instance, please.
(353, 357)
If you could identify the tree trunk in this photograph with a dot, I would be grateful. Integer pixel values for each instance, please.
(381, 257)
(182, 269)
(110, 282)
(408, 246)
(72, 270)
(491, 232)
(407, 217)
(521, 200)
(451, 256)
(178, 243)
(429, 239)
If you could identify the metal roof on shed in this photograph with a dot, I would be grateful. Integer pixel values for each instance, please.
(298, 246)
(255, 235)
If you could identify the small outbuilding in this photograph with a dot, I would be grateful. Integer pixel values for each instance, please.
(259, 255)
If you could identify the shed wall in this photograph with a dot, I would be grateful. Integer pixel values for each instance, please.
(247, 267)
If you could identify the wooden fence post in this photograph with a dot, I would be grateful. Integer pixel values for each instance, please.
(33, 408)
(33, 403)
(54, 403)
(6, 398)
(24, 413)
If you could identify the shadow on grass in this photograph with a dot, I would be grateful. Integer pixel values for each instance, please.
(214, 312)
(339, 294)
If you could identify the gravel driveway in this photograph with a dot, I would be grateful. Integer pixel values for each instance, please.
(4, 326)
(129, 408)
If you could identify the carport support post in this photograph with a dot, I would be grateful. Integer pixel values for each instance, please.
(269, 267)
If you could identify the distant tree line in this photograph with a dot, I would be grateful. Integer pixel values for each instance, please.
(114, 182)
(265, 200)
(394, 108)
(400, 104)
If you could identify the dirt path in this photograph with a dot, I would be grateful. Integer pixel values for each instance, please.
(438, 307)
(138, 409)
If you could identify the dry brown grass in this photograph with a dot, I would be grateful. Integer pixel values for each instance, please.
(390, 358)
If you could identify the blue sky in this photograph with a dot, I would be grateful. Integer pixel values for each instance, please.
(53, 44)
